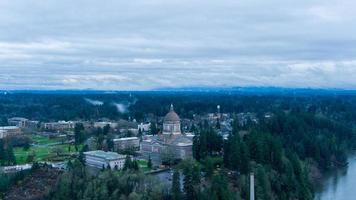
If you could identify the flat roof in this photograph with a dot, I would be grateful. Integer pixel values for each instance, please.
(106, 155)
(18, 118)
(126, 138)
(8, 127)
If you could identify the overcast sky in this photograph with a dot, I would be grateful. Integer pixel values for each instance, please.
(139, 45)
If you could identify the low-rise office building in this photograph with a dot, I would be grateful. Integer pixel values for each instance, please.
(6, 131)
(100, 159)
(127, 143)
(23, 122)
(59, 126)
(17, 121)
(103, 124)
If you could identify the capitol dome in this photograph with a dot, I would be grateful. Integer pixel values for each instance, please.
(171, 116)
(171, 123)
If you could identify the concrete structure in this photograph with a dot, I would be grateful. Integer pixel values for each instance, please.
(22, 122)
(18, 121)
(101, 159)
(127, 143)
(32, 124)
(59, 126)
(252, 186)
(103, 124)
(124, 124)
(6, 131)
(171, 144)
(144, 127)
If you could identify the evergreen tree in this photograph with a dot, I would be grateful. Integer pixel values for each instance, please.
(139, 134)
(10, 156)
(219, 189)
(149, 163)
(188, 186)
(153, 128)
(128, 163)
(106, 129)
(110, 144)
(2, 152)
(79, 134)
(176, 190)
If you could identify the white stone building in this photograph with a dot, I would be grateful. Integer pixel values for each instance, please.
(101, 159)
(144, 127)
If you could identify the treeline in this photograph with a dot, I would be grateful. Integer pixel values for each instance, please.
(303, 132)
(130, 183)
(138, 105)
(10, 179)
(324, 140)
(78, 184)
(280, 151)
(7, 156)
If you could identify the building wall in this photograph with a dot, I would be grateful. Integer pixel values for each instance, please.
(156, 150)
(127, 144)
(7, 131)
(184, 152)
(59, 125)
(171, 128)
(100, 162)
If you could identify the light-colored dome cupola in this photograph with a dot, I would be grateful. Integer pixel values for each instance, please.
(171, 123)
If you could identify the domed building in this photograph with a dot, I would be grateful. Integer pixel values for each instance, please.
(171, 123)
(170, 144)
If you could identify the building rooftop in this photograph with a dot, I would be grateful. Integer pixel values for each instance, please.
(106, 155)
(126, 138)
(172, 116)
(8, 127)
(18, 119)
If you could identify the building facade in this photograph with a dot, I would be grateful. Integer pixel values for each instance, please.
(8, 131)
(23, 122)
(17, 121)
(103, 124)
(132, 143)
(59, 126)
(100, 159)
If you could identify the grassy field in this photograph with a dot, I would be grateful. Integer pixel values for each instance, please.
(46, 149)
(143, 165)
(43, 140)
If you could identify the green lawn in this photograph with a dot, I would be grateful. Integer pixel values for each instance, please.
(43, 140)
(143, 165)
(43, 153)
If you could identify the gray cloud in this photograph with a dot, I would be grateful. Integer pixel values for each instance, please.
(139, 45)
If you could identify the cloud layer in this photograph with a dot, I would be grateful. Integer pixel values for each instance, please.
(138, 45)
